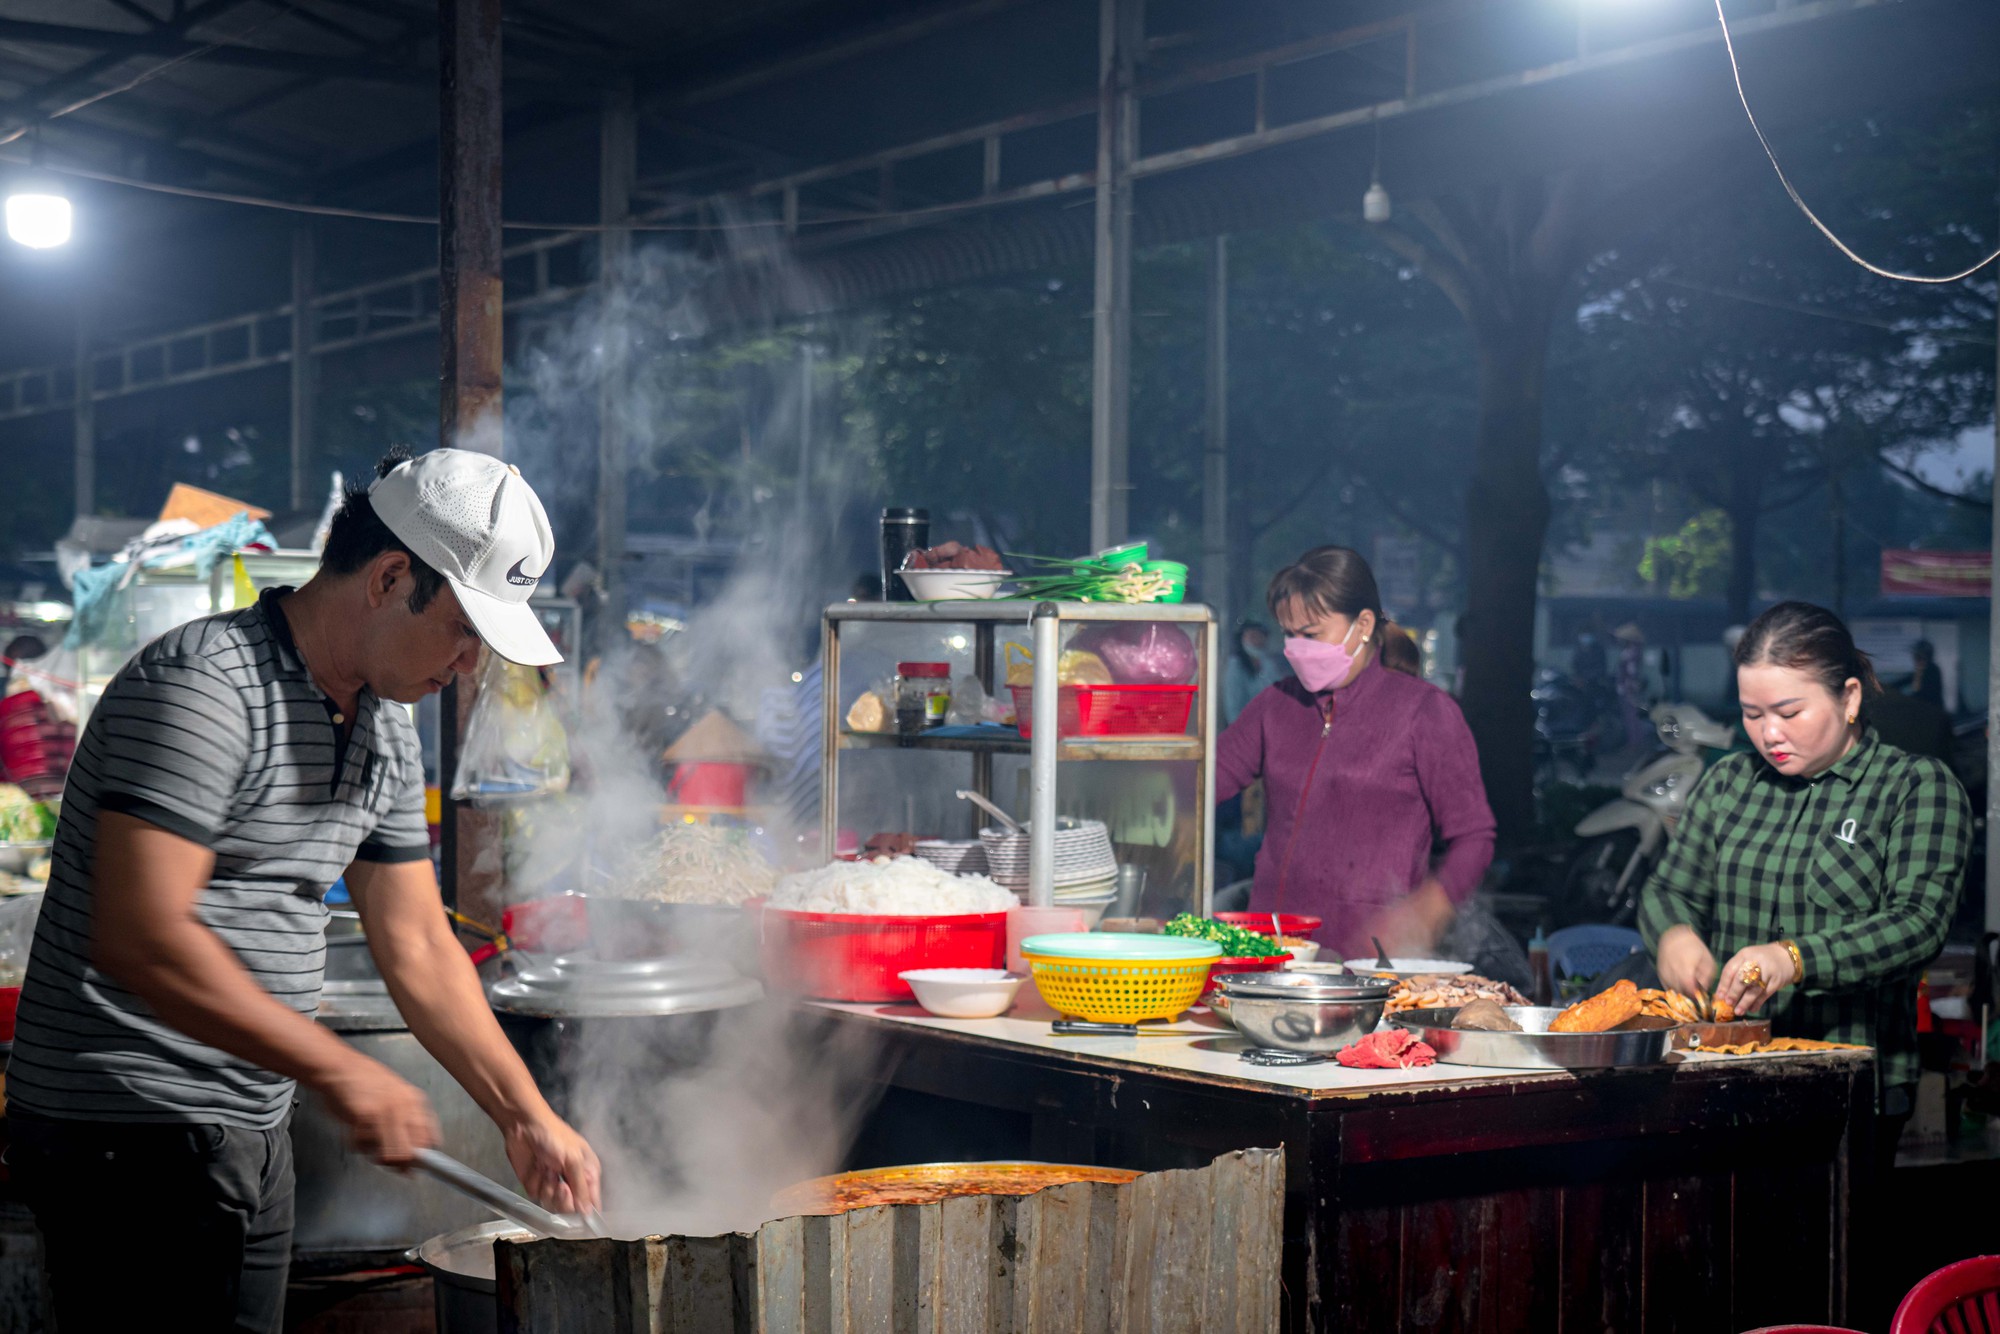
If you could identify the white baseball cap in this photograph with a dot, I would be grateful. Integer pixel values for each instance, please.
(476, 521)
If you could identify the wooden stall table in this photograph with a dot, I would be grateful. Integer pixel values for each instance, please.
(1709, 1194)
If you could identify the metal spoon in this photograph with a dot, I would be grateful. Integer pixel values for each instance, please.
(510, 1206)
(1382, 959)
(966, 794)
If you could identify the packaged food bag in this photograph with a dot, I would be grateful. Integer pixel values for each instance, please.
(514, 745)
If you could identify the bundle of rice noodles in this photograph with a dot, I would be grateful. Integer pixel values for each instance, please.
(891, 886)
(693, 863)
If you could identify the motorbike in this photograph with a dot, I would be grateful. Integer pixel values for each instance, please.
(1624, 839)
(1569, 714)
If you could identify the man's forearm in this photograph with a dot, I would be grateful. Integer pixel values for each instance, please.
(198, 986)
(441, 999)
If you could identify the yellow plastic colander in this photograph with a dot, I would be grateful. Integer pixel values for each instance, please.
(1115, 978)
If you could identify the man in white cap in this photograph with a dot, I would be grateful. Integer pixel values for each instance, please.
(233, 770)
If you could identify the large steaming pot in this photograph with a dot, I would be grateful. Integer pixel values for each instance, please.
(347, 1206)
(460, 1264)
(656, 1015)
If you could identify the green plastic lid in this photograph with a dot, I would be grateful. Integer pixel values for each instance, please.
(1121, 946)
(1132, 553)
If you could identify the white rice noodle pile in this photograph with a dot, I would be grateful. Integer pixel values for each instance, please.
(898, 886)
(693, 863)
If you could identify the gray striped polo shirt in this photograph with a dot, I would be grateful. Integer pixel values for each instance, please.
(214, 732)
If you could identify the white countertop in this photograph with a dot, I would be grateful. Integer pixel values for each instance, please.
(1204, 1044)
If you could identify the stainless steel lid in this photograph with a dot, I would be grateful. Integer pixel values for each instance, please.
(580, 986)
(1287, 985)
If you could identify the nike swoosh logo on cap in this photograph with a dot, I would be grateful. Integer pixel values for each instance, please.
(514, 576)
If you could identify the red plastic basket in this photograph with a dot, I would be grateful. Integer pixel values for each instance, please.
(1291, 923)
(1110, 710)
(856, 956)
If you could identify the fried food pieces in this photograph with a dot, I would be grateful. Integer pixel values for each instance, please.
(1602, 1012)
(1683, 1009)
(1668, 1005)
(1781, 1044)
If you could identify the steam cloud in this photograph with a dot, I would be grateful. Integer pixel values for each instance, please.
(700, 1119)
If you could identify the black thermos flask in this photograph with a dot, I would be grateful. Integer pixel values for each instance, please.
(903, 531)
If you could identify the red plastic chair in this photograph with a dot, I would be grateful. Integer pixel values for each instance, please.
(1959, 1299)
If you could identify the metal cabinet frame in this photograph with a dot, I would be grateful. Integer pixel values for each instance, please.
(1045, 620)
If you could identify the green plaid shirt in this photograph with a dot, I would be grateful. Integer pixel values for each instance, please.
(1861, 868)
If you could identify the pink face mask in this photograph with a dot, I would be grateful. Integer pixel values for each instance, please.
(1320, 666)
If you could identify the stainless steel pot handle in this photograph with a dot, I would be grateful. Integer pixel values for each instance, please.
(511, 1206)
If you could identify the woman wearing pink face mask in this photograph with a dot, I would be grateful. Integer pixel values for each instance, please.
(1366, 771)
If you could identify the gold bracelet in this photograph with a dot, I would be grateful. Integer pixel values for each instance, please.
(1798, 961)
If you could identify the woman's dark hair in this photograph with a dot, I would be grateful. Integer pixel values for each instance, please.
(1333, 581)
(357, 535)
(1400, 652)
(1809, 639)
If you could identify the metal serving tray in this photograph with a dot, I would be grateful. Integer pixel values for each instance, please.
(1641, 1041)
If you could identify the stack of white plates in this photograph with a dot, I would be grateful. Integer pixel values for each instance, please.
(953, 856)
(1085, 864)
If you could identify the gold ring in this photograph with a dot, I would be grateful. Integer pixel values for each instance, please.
(1752, 975)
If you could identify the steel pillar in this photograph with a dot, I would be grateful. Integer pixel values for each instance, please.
(470, 357)
(469, 287)
(1993, 682)
(83, 415)
(1215, 457)
(304, 366)
(618, 168)
(1120, 33)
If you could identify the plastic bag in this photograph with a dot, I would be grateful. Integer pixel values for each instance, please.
(1073, 668)
(515, 745)
(1148, 653)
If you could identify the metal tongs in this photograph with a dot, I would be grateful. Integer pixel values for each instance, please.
(1086, 1028)
(510, 1206)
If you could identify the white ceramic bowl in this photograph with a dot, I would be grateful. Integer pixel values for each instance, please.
(964, 993)
(1306, 953)
(954, 585)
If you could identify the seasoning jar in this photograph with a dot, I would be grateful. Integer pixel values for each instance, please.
(923, 697)
(903, 531)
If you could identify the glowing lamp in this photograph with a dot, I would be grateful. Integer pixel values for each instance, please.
(38, 221)
(1375, 203)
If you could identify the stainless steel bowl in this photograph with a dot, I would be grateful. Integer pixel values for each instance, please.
(1303, 1012)
(16, 858)
(1639, 1041)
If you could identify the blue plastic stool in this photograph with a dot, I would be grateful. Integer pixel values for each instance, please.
(1586, 951)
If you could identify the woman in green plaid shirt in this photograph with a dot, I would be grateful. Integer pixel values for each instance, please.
(1825, 868)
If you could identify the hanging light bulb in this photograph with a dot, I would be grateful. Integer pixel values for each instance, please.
(38, 218)
(1375, 203)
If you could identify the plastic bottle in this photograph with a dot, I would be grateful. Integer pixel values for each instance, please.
(1541, 984)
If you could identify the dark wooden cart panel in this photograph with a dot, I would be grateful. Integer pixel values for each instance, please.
(1696, 1199)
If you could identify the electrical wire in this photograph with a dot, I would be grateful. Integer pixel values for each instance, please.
(146, 75)
(1736, 71)
(427, 220)
(377, 215)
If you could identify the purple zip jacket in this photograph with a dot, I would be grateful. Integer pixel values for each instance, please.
(1359, 783)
